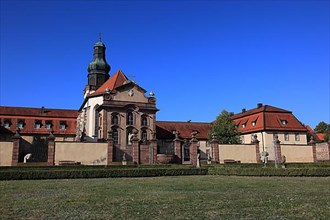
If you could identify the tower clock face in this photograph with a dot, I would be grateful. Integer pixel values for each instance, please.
(131, 92)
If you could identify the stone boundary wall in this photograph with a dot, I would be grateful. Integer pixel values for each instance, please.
(245, 153)
(85, 153)
(297, 153)
(6, 152)
(322, 151)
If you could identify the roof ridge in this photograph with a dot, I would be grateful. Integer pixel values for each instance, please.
(24, 107)
(185, 122)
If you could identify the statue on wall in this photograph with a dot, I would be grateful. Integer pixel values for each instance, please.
(27, 157)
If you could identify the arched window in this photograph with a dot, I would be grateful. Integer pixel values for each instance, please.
(144, 121)
(114, 120)
(129, 118)
(144, 136)
(115, 135)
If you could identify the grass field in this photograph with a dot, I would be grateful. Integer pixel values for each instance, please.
(181, 197)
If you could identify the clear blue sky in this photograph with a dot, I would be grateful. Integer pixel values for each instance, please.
(198, 57)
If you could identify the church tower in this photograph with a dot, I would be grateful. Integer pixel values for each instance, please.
(98, 68)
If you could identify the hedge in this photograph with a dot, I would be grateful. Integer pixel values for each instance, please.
(96, 173)
(269, 171)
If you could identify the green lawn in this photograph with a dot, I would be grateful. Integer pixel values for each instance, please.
(181, 197)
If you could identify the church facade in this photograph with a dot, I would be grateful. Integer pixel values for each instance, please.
(114, 104)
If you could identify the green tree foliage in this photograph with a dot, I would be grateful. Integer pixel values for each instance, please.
(322, 127)
(225, 129)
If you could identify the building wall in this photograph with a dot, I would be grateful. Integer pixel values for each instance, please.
(246, 153)
(266, 140)
(322, 151)
(297, 153)
(6, 153)
(86, 153)
(204, 149)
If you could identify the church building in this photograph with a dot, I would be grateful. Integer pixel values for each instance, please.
(114, 104)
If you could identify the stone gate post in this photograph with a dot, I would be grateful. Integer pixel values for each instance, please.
(277, 150)
(177, 148)
(51, 150)
(135, 147)
(215, 148)
(193, 149)
(16, 143)
(153, 143)
(110, 148)
(256, 142)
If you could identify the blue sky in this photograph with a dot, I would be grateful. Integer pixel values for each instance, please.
(198, 57)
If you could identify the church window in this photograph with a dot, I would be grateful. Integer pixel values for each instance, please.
(129, 118)
(115, 136)
(20, 124)
(7, 123)
(37, 124)
(144, 121)
(297, 137)
(144, 135)
(63, 125)
(49, 124)
(114, 120)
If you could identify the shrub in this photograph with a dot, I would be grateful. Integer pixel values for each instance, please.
(96, 173)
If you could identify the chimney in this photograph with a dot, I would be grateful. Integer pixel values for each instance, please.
(259, 105)
(243, 110)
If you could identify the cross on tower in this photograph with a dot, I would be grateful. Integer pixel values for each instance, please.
(100, 37)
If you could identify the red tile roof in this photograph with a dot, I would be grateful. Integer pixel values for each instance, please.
(320, 136)
(309, 129)
(30, 115)
(112, 83)
(165, 129)
(267, 118)
(41, 112)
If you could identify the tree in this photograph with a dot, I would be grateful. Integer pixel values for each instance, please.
(225, 129)
(322, 127)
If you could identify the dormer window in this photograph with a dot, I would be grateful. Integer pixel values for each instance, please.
(20, 124)
(244, 125)
(284, 122)
(37, 124)
(63, 125)
(7, 123)
(49, 124)
(253, 123)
